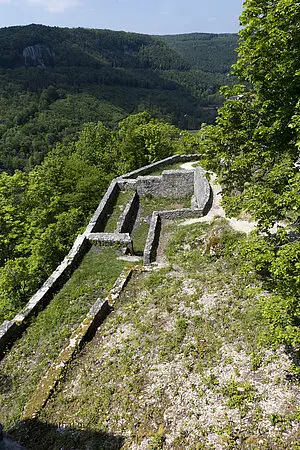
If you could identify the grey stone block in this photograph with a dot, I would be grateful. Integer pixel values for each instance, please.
(202, 190)
(109, 237)
(171, 184)
(111, 240)
(127, 219)
(152, 238)
(126, 185)
(99, 219)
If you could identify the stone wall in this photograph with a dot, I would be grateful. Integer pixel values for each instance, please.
(127, 219)
(11, 330)
(155, 228)
(184, 213)
(152, 238)
(203, 195)
(177, 183)
(120, 240)
(99, 219)
(85, 332)
(127, 184)
(202, 190)
(163, 162)
(171, 184)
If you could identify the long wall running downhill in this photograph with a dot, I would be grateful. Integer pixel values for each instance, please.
(169, 184)
(99, 218)
(10, 330)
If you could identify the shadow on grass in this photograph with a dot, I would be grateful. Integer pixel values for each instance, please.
(36, 435)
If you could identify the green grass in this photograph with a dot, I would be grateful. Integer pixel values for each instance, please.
(159, 171)
(162, 358)
(107, 388)
(147, 206)
(36, 350)
(122, 200)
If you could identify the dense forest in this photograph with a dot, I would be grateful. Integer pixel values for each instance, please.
(52, 80)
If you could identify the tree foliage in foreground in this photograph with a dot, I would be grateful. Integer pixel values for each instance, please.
(42, 212)
(254, 149)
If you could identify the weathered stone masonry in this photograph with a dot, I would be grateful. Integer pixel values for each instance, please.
(171, 184)
(10, 330)
(127, 218)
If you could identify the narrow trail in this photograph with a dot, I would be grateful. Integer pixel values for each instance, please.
(216, 209)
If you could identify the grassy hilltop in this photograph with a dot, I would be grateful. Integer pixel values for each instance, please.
(183, 361)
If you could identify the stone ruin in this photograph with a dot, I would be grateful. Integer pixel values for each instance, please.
(170, 184)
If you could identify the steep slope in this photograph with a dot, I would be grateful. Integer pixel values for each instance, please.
(178, 363)
(182, 359)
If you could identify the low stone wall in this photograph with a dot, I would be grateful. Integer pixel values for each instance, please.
(111, 240)
(148, 185)
(177, 183)
(127, 219)
(127, 184)
(202, 190)
(163, 162)
(171, 184)
(155, 228)
(12, 329)
(184, 213)
(86, 330)
(46, 386)
(152, 238)
(99, 219)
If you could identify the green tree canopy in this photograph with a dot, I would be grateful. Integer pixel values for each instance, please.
(255, 147)
(256, 141)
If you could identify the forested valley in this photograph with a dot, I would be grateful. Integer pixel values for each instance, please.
(52, 80)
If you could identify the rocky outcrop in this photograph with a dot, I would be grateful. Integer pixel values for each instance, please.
(38, 55)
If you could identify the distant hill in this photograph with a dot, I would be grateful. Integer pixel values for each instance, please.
(208, 52)
(52, 80)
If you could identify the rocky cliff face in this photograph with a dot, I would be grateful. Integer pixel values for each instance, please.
(38, 55)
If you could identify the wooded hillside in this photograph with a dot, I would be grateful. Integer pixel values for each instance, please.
(52, 80)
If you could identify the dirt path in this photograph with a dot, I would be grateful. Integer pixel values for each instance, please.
(217, 210)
